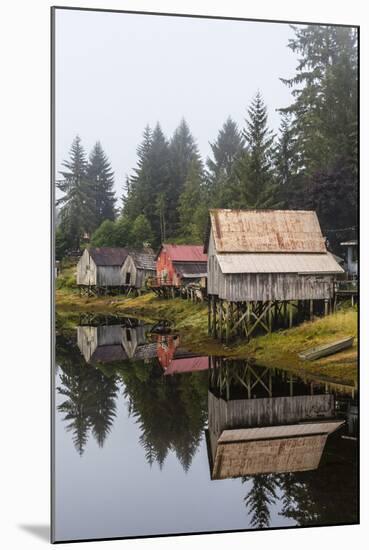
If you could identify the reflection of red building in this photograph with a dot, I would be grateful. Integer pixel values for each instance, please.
(175, 262)
(176, 360)
(166, 348)
(188, 364)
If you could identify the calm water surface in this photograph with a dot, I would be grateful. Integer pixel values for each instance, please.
(150, 439)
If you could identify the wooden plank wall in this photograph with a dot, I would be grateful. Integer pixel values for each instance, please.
(86, 270)
(249, 413)
(267, 286)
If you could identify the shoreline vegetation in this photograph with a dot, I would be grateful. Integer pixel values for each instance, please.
(276, 350)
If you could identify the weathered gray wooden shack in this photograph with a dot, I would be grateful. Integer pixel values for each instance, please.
(138, 266)
(100, 268)
(260, 264)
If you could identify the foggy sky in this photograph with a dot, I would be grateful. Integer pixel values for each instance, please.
(116, 72)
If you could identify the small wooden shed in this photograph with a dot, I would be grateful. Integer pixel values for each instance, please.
(260, 263)
(101, 267)
(179, 263)
(138, 266)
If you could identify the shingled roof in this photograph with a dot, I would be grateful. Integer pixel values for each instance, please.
(108, 256)
(143, 259)
(266, 231)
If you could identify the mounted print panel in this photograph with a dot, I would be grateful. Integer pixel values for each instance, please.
(205, 242)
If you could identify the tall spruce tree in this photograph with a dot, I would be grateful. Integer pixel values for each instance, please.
(183, 150)
(286, 152)
(149, 182)
(325, 91)
(325, 95)
(77, 211)
(192, 206)
(288, 173)
(101, 179)
(134, 192)
(254, 169)
(226, 151)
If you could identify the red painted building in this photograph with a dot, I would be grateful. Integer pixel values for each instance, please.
(177, 263)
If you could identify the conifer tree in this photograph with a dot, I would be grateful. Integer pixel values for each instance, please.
(254, 169)
(134, 196)
(192, 207)
(325, 96)
(149, 182)
(101, 180)
(183, 150)
(76, 213)
(286, 152)
(226, 150)
(324, 110)
(141, 232)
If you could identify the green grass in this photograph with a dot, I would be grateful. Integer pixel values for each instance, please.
(278, 350)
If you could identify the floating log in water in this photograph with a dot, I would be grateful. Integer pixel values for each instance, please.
(326, 349)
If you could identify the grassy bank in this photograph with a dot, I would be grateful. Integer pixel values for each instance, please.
(278, 349)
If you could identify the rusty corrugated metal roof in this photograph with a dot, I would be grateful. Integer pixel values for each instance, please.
(278, 263)
(266, 231)
(184, 252)
(108, 256)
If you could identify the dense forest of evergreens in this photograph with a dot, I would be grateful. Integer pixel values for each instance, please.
(311, 163)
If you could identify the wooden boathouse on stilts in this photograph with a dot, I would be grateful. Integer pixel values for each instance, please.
(264, 266)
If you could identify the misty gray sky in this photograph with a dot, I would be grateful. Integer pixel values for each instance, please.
(116, 72)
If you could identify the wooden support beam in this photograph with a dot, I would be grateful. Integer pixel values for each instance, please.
(214, 308)
(290, 317)
(209, 316)
(220, 316)
(260, 317)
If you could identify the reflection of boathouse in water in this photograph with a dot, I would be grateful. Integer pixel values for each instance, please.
(109, 343)
(281, 425)
(176, 360)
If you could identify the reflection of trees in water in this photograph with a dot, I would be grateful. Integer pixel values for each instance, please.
(90, 396)
(260, 498)
(170, 410)
(327, 495)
